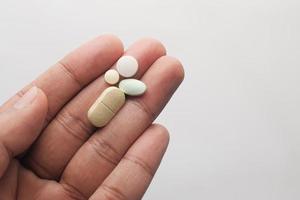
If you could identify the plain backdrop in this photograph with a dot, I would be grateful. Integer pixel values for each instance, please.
(234, 122)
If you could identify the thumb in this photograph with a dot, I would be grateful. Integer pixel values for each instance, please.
(21, 124)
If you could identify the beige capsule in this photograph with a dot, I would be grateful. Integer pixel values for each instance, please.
(106, 106)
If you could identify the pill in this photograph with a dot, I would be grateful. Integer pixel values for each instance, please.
(111, 77)
(132, 87)
(106, 106)
(127, 66)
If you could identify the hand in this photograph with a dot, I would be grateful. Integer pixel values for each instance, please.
(49, 150)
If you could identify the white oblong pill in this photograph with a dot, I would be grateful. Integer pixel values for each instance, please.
(127, 66)
(111, 77)
(132, 87)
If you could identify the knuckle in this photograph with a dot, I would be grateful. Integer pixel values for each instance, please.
(72, 192)
(105, 150)
(73, 125)
(141, 105)
(112, 193)
(67, 69)
(140, 163)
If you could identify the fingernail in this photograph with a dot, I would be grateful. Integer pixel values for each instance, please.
(27, 98)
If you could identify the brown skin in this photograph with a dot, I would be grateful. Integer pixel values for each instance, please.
(49, 150)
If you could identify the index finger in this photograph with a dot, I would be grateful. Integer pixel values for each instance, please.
(68, 76)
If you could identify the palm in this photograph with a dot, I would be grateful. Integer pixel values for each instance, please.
(13, 184)
(66, 157)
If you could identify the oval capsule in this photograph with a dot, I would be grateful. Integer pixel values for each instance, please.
(132, 87)
(106, 106)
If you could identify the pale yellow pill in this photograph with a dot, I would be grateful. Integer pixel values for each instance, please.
(111, 77)
(106, 106)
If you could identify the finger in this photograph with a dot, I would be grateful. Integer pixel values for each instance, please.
(131, 178)
(70, 128)
(102, 152)
(62, 81)
(21, 124)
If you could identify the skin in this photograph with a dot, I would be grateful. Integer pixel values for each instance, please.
(48, 148)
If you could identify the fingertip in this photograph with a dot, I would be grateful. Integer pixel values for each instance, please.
(175, 67)
(146, 51)
(178, 71)
(114, 42)
(157, 45)
(161, 132)
(91, 59)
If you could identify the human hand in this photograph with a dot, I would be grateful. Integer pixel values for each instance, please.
(49, 149)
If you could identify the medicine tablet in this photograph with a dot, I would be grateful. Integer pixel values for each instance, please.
(132, 87)
(127, 66)
(106, 106)
(111, 77)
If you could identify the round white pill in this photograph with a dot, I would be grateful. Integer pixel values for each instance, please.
(111, 77)
(127, 66)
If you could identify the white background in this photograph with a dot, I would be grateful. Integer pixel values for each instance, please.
(234, 122)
